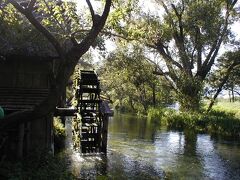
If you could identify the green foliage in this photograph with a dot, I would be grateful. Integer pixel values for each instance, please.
(227, 76)
(127, 78)
(38, 166)
(60, 18)
(156, 114)
(16, 33)
(225, 123)
(190, 93)
(59, 134)
(228, 107)
(216, 122)
(76, 135)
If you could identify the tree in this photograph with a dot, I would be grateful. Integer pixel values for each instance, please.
(227, 74)
(71, 31)
(187, 36)
(127, 76)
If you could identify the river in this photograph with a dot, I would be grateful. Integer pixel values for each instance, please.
(140, 149)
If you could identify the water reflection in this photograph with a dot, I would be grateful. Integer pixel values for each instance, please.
(139, 149)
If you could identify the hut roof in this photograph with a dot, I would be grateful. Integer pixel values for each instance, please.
(25, 81)
(21, 99)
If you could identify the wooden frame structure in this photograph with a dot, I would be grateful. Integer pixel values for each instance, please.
(25, 83)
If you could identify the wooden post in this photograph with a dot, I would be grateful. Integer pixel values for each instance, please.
(20, 140)
(105, 133)
(28, 137)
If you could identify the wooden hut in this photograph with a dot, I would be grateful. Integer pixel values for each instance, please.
(24, 83)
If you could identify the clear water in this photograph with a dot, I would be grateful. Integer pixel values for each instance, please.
(140, 149)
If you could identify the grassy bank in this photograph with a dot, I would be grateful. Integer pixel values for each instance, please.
(222, 120)
(229, 107)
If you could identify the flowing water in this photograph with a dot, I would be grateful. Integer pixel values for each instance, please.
(140, 149)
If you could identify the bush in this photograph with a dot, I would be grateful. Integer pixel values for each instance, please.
(216, 122)
(224, 123)
(59, 134)
(156, 114)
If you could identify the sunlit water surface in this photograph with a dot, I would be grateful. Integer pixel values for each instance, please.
(140, 149)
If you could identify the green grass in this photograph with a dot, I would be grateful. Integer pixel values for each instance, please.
(223, 120)
(228, 107)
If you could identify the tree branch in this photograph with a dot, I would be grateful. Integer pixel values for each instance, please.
(39, 27)
(236, 92)
(91, 11)
(166, 75)
(199, 48)
(31, 5)
(180, 24)
(221, 84)
(179, 40)
(167, 11)
(53, 15)
(118, 35)
(209, 61)
(161, 49)
(18, 6)
(95, 30)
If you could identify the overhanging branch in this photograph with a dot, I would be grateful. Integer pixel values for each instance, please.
(95, 30)
(28, 14)
(31, 5)
(91, 10)
(222, 83)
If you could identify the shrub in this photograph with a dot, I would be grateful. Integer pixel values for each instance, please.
(216, 122)
(59, 134)
(156, 114)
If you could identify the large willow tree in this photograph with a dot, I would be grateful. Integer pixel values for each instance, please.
(187, 36)
(67, 32)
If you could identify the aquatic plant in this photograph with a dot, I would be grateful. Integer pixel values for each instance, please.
(216, 122)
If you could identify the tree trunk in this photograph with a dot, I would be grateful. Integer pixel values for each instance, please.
(220, 86)
(189, 93)
(190, 103)
(131, 103)
(154, 95)
(233, 97)
(229, 96)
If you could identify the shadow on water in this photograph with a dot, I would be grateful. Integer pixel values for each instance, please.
(141, 149)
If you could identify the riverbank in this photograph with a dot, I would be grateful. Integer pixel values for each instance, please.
(223, 120)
